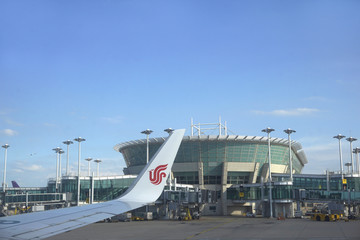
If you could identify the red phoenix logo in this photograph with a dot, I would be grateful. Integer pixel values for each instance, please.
(157, 175)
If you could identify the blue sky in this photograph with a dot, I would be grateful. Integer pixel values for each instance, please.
(106, 70)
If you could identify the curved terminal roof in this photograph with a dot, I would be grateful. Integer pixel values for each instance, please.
(296, 147)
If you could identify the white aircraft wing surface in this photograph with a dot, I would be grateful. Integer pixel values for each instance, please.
(146, 189)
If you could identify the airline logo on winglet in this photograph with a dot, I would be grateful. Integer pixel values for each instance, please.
(156, 176)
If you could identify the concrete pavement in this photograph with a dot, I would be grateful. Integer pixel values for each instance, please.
(218, 228)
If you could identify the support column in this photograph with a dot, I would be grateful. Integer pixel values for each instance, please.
(262, 196)
(254, 174)
(92, 189)
(201, 175)
(224, 189)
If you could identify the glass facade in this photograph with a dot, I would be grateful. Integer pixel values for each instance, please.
(319, 182)
(212, 179)
(187, 177)
(21, 198)
(212, 153)
(314, 187)
(238, 177)
(243, 193)
(287, 193)
(104, 188)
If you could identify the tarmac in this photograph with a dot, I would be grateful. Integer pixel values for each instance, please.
(218, 228)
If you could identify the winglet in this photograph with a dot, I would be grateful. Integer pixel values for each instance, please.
(151, 181)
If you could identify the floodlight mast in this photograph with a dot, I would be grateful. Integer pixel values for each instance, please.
(351, 139)
(6, 146)
(98, 161)
(147, 132)
(357, 151)
(339, 137)
(289, 132)
(57, 167)
(268, 131)
(88, 159)
(60, 152)
(91, 179)
(348, 166)
(67, 142)
(60, 175)
(79, 140)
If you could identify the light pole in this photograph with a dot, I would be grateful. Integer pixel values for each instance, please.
(147, 132)
(79, 140)
(288, 132)
(6, 146)
(348, 166)
(90, 180)
(351, 139)
(88, 159)
(67, 142)
(60, 152)
(169, 131)
(57, 167)
(60, 175)
(98, 161)
(339, 137)
(268, 131)
(357, 151)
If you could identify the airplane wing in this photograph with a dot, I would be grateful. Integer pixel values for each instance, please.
(146, 189)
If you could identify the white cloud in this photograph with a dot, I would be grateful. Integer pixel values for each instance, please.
(317, 147)
(33, 167)
(24, 167)
(14, 123)
(9, 132)
(289, 112)
(4, 116)
(113, 120)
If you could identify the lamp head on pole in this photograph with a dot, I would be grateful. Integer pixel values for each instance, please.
(88, 159)
(97, 161)
(351, 139)
(356, 150)
(68, 142)
(339, 136)
(6, 146)
(79, 139)
(61, 151)
(169, 130)
(289, 131)
(268, 130)
(57, 150)
(147, 132)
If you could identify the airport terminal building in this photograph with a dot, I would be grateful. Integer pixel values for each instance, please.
(219, 162)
